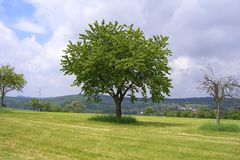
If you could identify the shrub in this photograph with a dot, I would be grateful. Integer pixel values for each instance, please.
(178, 114)
(205, 112)
(113, 119)
(231, 114)
(5, 110)
(186, 114)
(75, 106)
(222, 127)
(165, 111)
(97, 111)
(148, 111)
(172, 114)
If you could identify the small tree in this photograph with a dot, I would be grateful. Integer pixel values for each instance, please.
(148, 111)
(34, 102)
(219, 88)
(9, 81)
(47, 106)
(75, 106)
(119, 60)
(165, 111)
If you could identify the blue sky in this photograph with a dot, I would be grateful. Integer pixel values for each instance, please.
(14, 11)
(34, 33)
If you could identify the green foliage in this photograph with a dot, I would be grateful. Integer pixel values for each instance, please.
(165, 111)
(44, 106)
(205, 112)
(171, 114)
(9, 81)
(202, 112)
(118, 59)
(187, 114)
(75, 106)
(5, 110)
(231, 114)
(221, 127)
(178, 114)
(113, 119)
(56, 108)
(97, 111)
(148, 111)
(47, 106)
(35, 104)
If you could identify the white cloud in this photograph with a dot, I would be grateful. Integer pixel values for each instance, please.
(181, 66)
(18, 52)
(46, 66)
(28, 26)
(14, 49)
(76, 14)
(186, 73)
(39, 63)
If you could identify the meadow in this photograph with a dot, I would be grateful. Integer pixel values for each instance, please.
(28, 135)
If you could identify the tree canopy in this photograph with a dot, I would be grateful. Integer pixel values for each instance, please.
(9, 81)
(119, 60)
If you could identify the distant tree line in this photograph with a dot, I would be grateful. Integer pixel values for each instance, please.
(202, 112)
(78, 107)
(74, 106)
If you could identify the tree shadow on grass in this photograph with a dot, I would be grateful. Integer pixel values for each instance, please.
(128, 120)
(160, 124)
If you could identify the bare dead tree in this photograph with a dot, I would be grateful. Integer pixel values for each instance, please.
(219, 88)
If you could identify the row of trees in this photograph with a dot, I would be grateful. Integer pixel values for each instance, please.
(202, 112)
(74, 106)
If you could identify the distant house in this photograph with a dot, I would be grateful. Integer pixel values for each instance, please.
(186, 108)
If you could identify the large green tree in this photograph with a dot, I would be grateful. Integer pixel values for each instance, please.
(119, 60)
(9, 81)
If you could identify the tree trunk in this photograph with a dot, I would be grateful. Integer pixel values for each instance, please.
(118, 110)
(118, 107)
(218, 113)
(2, 97)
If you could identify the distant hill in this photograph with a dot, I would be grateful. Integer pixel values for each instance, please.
(107, 104)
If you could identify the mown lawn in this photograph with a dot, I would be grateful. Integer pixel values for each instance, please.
(61, 136)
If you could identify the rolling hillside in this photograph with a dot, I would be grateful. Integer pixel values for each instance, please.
(107, 105)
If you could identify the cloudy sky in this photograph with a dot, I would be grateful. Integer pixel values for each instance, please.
(34, 33)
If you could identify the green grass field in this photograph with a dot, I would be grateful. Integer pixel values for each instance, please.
(28, 135)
